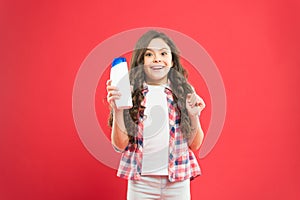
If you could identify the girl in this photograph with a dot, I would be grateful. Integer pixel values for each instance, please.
(157, 135)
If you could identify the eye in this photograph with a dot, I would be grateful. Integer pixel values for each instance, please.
(148, 54)
(164, 53)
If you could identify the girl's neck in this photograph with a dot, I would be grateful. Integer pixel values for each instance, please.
(160, 82)
(155, 84)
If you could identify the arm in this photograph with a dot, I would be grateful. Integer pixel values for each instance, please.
(197, 134)
(119, 137)
(195, 105)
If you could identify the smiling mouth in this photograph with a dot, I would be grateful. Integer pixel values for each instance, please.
(157, 67)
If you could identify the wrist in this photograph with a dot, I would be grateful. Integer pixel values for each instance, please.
(117, 111)
(194, 116)
(193, 129)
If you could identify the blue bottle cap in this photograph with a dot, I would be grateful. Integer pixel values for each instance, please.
(118, 61)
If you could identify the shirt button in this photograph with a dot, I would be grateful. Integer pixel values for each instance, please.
(172, 122)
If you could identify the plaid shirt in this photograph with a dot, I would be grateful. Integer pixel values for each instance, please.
(182, 162)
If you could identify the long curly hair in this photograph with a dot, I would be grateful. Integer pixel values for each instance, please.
(177, 77)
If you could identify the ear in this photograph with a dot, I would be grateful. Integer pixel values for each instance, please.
(172, 64)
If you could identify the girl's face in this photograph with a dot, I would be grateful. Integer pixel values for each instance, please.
(157, 62)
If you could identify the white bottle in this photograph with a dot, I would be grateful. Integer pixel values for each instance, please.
(120, 79)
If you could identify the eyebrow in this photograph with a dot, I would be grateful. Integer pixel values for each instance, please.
(164, 48)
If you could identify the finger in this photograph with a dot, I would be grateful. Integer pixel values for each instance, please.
(108, 82)
(201, 104)
(114, 93)
(192, 100)
(201, 101)
(111, 88)
(188, 99)
(111, 100)
(112, 104)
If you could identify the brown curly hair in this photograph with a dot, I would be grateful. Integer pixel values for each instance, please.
(177, 76)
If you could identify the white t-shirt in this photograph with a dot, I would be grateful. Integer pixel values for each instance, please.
(156, 132)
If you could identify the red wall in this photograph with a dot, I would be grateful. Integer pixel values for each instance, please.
(255, 46)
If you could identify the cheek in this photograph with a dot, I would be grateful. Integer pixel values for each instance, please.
(147, 60)
(145, 68)
(169, 61)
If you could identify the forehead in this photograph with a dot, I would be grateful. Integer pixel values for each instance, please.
(158, 43)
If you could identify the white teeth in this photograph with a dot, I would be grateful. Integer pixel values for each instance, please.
(156, 67)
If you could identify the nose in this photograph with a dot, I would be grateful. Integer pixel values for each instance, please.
(157, 59)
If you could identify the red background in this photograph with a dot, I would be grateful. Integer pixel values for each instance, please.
(255, 45)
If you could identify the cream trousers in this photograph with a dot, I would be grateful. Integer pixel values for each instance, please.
(158, 187)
